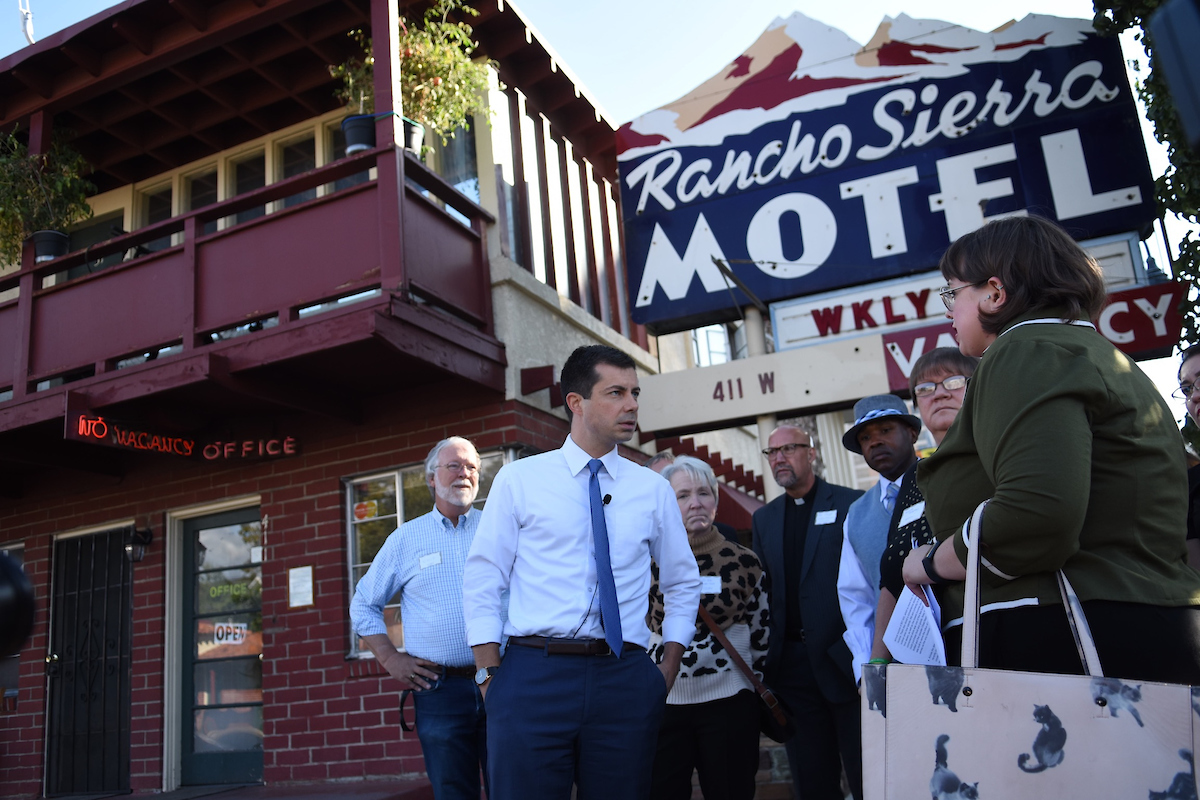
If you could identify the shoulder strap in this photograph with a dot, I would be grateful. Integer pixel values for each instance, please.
(734, 654)
(1084, 643)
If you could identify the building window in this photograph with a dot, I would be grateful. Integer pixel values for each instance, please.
(459, 165)
(377, 505)
(710, 345)
(95, 231)
(337, 150)
(250, 173)
(296, 157)
(10, 667)
(201, 192)
(158, 209)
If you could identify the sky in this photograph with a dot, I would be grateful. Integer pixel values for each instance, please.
(636, 55)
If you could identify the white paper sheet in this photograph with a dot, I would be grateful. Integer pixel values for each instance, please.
(914, 633)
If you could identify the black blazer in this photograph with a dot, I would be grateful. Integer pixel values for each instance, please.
(823, 625)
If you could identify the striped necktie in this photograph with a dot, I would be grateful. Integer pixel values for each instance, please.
(889, 499)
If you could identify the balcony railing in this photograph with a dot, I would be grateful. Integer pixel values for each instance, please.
(262, 271)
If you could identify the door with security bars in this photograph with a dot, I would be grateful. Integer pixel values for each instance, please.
(89, 666)
(222, 715)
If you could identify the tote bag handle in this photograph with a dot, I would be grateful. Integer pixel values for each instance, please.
(1075, 616)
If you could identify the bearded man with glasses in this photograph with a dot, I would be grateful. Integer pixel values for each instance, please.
(422, 562)
(798, 539)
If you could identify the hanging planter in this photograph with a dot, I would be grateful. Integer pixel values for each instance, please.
(359, 131)
(49, 245)
(414, 135)
(440, 85)
(40, 195)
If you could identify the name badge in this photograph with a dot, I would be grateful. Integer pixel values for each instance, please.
(710, 584)
(826, 517)
(433, 559)
(912, 513)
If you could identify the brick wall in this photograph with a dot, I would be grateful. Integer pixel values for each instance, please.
(325, 718)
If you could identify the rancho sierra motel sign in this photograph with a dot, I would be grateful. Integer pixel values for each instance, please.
(813, 164)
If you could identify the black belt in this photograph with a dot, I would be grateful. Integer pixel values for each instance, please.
(570, 647)
(459, 672)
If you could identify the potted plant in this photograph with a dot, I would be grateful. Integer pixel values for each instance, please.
(40, 197)
(357, 75)
(440, 86)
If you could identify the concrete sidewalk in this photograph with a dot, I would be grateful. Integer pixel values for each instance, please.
(411, 789)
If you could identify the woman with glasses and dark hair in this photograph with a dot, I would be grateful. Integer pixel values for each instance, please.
(1079, 461)
(1189, 374)
(938, 382)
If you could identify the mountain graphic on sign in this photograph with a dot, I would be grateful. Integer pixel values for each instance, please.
(800, 64)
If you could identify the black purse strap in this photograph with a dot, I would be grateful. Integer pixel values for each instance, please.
(403, 702)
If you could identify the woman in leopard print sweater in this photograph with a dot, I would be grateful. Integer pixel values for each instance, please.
(711, 719)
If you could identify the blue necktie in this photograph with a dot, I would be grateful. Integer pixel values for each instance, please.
(889, 500)
(610, 612)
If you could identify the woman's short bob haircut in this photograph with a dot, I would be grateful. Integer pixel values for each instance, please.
(700, 472)
(1039, 265)
(949, 360)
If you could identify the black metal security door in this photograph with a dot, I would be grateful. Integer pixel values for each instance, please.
(89, 666)
(222, 677)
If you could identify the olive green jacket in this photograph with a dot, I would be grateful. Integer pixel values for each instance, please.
(1084, 467)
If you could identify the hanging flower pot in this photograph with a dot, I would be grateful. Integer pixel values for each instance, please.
(414, 135)
(439, 82)
(359, 131)
(49, 245)
(40, 195)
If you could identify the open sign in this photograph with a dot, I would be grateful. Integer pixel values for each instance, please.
(230, 632)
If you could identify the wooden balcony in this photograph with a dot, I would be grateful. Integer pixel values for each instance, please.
(317, 306)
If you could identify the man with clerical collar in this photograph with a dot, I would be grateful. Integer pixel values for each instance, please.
(798, 538)
(422, 562)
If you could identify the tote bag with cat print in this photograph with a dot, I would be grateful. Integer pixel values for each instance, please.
(964, 733)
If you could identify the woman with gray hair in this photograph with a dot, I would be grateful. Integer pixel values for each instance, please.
(711, 720)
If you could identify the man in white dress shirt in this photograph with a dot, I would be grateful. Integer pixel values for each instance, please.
(563, 707)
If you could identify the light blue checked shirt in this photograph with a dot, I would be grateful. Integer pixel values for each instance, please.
(423, 560)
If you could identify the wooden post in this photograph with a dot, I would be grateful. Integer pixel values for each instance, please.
(389, 130)
(40, 129)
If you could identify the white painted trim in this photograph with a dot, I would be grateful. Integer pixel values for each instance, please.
(88, 531)
(172, 754)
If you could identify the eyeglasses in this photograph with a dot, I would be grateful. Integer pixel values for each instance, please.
(948, 294)
(786, 449)
(953, 383)
(455, 467)
(1184, 392)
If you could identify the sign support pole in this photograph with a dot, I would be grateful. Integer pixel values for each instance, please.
(756, 345)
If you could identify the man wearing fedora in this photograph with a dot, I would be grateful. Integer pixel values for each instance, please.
(883, 434)
(798, 538)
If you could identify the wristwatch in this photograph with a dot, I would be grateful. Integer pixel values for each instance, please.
(484, 675)
(927, 563)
